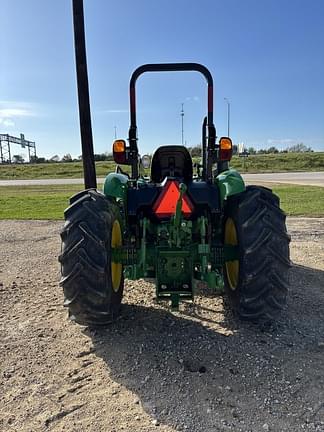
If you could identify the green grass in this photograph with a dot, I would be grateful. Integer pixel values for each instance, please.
(301, 200)
(49, 202)
(254, 163)
(279, 162)
(35, 202)
(51, 170)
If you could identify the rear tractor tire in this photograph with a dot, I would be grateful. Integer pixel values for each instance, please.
(257, 283)
(92, 283)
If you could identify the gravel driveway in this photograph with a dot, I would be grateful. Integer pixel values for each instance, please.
(197, 370)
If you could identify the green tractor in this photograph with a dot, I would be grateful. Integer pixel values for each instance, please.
(176, 226)
(182, 223)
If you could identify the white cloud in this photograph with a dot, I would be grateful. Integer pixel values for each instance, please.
(115, 111)
(192, 98)
(10, 111)
(7, 122)
(15, 112)
(15, 109)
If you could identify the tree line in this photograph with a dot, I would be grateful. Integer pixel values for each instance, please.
(66, 158)
(195, 151)
(297, 148)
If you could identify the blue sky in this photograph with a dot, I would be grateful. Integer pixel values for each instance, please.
(266, 57)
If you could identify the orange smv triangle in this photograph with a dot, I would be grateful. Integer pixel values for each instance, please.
(167, 202)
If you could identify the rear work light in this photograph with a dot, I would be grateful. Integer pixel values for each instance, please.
(225, 149)
(166, 204)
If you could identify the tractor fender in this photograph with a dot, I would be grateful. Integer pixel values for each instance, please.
(116, 186)
(230, 183)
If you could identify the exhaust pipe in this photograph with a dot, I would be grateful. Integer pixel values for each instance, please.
(89, 168)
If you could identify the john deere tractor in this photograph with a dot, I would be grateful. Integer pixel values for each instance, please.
(180, 224)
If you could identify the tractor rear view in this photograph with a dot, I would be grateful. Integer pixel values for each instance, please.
(179, 225)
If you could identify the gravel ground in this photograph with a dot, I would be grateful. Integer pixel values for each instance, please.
(195, 370)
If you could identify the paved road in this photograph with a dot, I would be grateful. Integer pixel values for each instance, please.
(301, 178)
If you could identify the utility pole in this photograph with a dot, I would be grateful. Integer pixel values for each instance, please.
(182, 115)
(228, 115)
(115, 127)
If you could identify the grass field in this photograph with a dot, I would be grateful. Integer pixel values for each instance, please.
(35, 202)
(49, 202)
(279, 162)
(51, 170)
(253, 164)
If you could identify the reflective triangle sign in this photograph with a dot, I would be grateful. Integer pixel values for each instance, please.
(167, 201)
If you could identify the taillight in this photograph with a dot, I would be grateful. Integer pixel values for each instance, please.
(225, 149)
(119, 151)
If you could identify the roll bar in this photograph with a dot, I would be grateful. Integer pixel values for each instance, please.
(211, 133)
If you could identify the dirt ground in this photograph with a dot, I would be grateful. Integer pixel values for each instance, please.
(197, 370)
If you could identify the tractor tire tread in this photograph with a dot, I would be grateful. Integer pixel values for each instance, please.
(264, 254)
(85, 258)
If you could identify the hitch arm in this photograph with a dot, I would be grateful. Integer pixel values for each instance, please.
(177, 218)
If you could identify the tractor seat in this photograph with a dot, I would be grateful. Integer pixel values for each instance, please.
(171, 161)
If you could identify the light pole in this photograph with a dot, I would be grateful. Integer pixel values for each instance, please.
(228, 115)
(182, 115)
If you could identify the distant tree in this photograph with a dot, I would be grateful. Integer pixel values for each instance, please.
(67, 158)
(18, 159)
(272, 150)
(299, 148)
(262, 151)
(109, 156)
(36, 159)
(235, 149)
(195, 151)
(100, 156)
(103, 157)
(251, 150)
(54, 158)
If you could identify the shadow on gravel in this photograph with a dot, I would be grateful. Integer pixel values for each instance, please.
(190, 375)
